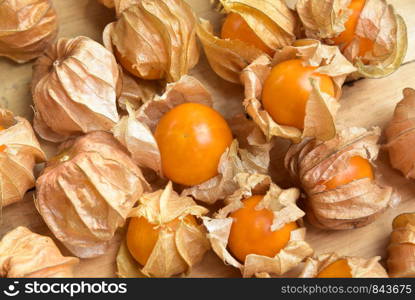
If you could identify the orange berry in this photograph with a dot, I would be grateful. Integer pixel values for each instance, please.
(236, 28)
(251, 231)
(192, 138)
(357, 168)
(287, 89)
(347, 36)
(142, 236)
(338, 269)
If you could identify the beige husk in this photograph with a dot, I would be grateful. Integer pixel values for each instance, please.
(27, 27)
(75, 86)
(27, 254)
(321, 107)
(156, 37)
(283, 204)
(86, 192)
(271, 20)
(135, 132)
(401, 248)
(378, 22)
(177, 249)
(22, 151)
(348, 206)
(108, 3)
(400, 135)
(359, 267)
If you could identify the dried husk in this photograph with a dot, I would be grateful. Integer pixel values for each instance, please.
(108, 3)
(20, 154)
(135, 132)
(27, 254)
(283, 204)
(273, 22)
(27, 27)
(401, 248)
(86, 192)
(177, 249)
(75, 86)
(400, 135)
(156, 37)
(321, 108)
(378, 22)
(359, 267)
(352, 205)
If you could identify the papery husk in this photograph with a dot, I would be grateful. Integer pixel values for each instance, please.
(27, 254)
(27, 28)
(157, 37)
(135, 131)
(321, 108)
(22, 151)
(401, 248)
(352, 205)
(283, 204)
(359, 267)
(108, 3)
(273, 22)
(136, 91)
(75, 86)
(378, 22)
(400, 135)
(176, 250)
(86, 192)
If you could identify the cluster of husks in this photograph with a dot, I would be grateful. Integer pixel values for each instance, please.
(27, 28)
(86, 192)
(401, 249)
(347, 206)
(19, 152)
(27, 254)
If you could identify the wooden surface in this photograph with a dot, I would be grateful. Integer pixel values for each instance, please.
(365, 103)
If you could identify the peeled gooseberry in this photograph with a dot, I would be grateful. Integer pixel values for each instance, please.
(192, 138)
(251, 231)
(287, 90)
(357, 168)
(338, 269)
(142, 236)
(236, 28)
(348, 35)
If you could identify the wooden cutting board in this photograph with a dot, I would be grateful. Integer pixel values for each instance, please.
(365, 103)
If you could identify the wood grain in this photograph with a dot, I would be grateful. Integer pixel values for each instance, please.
(365, 103)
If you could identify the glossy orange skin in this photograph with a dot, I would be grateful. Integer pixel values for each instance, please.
(287, 90)
(2, 147)
(347, 36)
(236, 28)
(251, 231)
(338, 269)
(142, 236)
(357, 168)
(192, 138)
(153, 74)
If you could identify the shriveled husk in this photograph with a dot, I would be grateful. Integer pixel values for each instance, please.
(108, 3)
(75, 86)
(20, 154)
(136, 91)
(156, 37)
(27, 27)
(321, 108)
(401, 248)
(400, 135)
(378, 22)
(359, 267)
(135, 132)
(272, 21)
(118, 5)
(86, 192)
(352, 205)
(283, 204)
(27, 254)
(177, 249)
